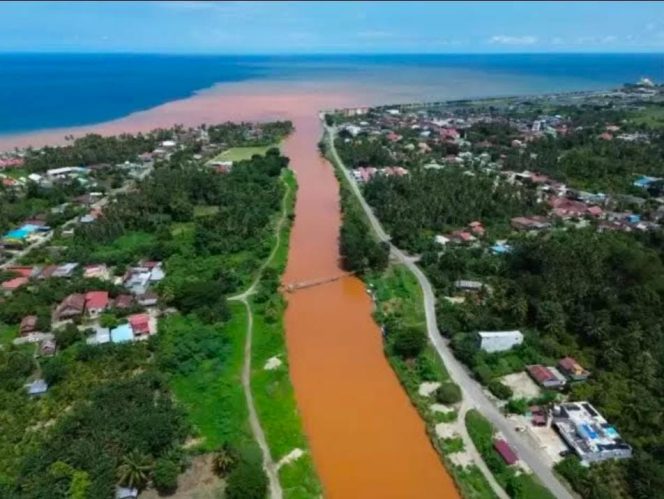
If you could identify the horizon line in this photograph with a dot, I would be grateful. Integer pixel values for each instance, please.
(320, 54)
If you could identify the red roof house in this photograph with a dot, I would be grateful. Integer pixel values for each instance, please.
(28, 325)
(505, 451)
(140, 324)
(21, 271)
(96, 302)
(545, 376)
(15, 283)
(72, 306)
(123, 301)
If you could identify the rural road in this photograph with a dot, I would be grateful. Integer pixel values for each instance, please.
(472, 391)
(271, 468)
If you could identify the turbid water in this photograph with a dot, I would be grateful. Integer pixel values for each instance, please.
(366, 439)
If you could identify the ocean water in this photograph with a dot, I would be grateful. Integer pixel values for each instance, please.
(41, 91)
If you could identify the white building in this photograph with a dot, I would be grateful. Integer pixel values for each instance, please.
(499, 341)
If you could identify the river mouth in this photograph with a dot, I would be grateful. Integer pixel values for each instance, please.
(367, 440)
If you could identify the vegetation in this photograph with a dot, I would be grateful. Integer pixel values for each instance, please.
(448, 393)
(120, 397)
(399, 305)
(416, 207)
(517, 485)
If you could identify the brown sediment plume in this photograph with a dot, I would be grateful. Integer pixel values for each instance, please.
(366, 438)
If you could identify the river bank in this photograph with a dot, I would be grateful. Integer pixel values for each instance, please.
(365, 437)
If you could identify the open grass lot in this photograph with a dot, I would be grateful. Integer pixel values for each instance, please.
(212, 393)
(652, 116)
(272, 389)
(7, 333)
(241, 153)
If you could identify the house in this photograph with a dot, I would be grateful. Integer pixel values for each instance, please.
(47, 272)
(123, 301)
(567, 208)
(462, 237)
(99, 271)
(572, 369)
(477, 228)
(499, 341)
(65, 270)
(140, 324)
(126, 493)
(530, 223)
(466, 285)
(148, 299)
(36, 388)
(96, 302)
(72, 306)
(47, 348)
(505, 451)
(28, 325)
(442, 240)
(14, 284)
(548, 377)
(586, 431)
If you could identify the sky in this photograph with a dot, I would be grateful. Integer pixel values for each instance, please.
(309, 27)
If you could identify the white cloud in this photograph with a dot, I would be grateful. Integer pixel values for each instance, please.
(513, 40)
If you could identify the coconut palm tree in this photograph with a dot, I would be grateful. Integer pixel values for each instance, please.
(224, 460)
(134, 470)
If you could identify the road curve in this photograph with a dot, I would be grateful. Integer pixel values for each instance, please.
(472, 390)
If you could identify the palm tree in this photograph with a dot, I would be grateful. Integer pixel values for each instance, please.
(224, 460)
(134, 470)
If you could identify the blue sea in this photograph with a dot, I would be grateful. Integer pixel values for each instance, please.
(40, 91)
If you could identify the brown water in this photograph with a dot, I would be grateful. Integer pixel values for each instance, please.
(366, 438)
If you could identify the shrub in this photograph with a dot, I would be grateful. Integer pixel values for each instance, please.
(500, 390)
(247, 481)
(517, 406)
(448, 393)
(409, 342)
(165, 476)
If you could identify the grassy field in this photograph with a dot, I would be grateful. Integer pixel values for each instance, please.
(240, 153)
(651, 116)
(272, 389)
(212, 394)
(399, 298)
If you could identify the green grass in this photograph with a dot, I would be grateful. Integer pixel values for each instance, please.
(272, 389)
(132, 245)
(241, 153)
(7, 333)
(399, 297)
(651, 116)
(212, 394)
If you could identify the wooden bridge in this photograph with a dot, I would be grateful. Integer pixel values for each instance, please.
(295, 286)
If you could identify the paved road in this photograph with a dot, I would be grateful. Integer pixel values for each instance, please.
(472, 390)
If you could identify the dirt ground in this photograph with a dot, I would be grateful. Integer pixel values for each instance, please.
(521, 385)
(198, 482)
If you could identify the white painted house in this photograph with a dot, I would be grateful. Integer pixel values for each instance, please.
(499, 341)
